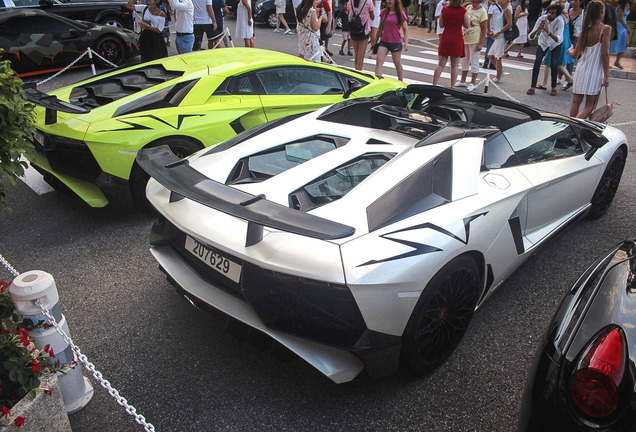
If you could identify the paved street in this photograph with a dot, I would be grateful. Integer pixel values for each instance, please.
(181, 369)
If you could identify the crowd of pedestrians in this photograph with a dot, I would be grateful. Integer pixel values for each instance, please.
(573, 39)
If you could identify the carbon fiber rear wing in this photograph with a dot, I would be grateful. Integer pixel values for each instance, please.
(52, 105)
(179, 177)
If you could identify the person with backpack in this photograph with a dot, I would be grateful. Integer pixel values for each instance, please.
(360, 16)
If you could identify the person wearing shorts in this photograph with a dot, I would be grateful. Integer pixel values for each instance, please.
(220, 11)
(499, 44)
(364, 9)
(393, 23)
(375, 24)
(204, 22)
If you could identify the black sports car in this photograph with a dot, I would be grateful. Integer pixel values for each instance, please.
(38, 41)
(584, 375)
(108, 12)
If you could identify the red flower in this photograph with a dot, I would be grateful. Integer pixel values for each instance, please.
(3, 286)
(35, 366)
(5, 411)
(47, 325)
(48, 391)
(23, 332)
(19, 421)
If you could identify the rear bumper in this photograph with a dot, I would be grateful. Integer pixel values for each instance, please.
(337, 364)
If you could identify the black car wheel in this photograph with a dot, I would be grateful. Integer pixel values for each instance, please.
(271, 19)
(441, 316)
(112, 49)
(608, 185)
(181, 147)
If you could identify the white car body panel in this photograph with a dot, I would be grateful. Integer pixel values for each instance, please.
(500, 216)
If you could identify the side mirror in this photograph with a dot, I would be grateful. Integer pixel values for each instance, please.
(353, 86)
(594, 139)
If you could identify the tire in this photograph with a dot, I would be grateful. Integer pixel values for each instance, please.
(112, 21)
(138, 180)
(270, 19)
(112, 49)
(441, 316)
(608, 185)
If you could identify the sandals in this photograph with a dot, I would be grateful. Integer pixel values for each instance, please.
(567, 85)
(541, 87)
(530, 91)
(553, 92)
(519, 55)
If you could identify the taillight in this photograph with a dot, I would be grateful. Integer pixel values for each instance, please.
(594, 385)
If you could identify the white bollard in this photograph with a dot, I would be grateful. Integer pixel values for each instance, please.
(34, 285)
(90, 56)
(487, 81)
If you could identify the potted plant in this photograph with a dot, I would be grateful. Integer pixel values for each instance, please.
(25, 372)
(16, 127)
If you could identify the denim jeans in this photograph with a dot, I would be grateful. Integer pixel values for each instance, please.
(555, 58)
(184, 43)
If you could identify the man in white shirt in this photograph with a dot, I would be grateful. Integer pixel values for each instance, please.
(438, 13)
(183, 24)
(550, 39)
(204, 22)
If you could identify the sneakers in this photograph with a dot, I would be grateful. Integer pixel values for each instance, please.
(341, 52)
(349, 53)
(329, 52)
(288, 31)
(277, 30)
(470, 87)
(460, 84)
(495, 80)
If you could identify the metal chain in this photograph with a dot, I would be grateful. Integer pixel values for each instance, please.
(102, 58)
(84, 360)
(9, 267)
(140, 419)
(63, 70)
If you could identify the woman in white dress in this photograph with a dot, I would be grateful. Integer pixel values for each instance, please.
(521, 15)
(244, 23)
(592, 68)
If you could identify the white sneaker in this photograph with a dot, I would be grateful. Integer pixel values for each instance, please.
(277, 30)
(495, 80)
(288, 31)
(460, 84)
(470, 87)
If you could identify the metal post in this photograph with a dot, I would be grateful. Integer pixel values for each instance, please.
(90, 56)
(487, 81)
(25, 290)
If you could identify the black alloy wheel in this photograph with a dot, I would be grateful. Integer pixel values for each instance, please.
(608, 185)
(442, 315)
(112, 49)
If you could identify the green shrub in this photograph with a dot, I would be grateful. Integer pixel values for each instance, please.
(16, 127)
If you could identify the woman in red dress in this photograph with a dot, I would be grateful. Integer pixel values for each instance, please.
(451, 43)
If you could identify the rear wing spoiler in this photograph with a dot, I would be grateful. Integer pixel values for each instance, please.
(52, 105)
(181, 179)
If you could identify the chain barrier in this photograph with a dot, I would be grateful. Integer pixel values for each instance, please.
(131, 410)
(55, 75)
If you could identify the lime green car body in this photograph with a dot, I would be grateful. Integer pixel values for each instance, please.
(202, 99)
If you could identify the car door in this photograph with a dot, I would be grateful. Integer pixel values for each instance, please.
(290, 90)
(552, 157)
(43, 42)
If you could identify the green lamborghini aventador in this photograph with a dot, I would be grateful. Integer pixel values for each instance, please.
(89, 133)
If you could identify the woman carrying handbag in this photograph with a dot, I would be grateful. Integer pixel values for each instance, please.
(592, 68)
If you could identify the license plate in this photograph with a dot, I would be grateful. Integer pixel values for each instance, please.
(213, 259)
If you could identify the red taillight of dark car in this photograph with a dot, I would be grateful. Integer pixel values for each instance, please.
(594, 385)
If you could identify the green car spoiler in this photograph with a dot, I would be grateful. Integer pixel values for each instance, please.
(52, 105)
(179, 177)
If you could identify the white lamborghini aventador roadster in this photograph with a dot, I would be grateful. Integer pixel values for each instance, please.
(366, 232)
